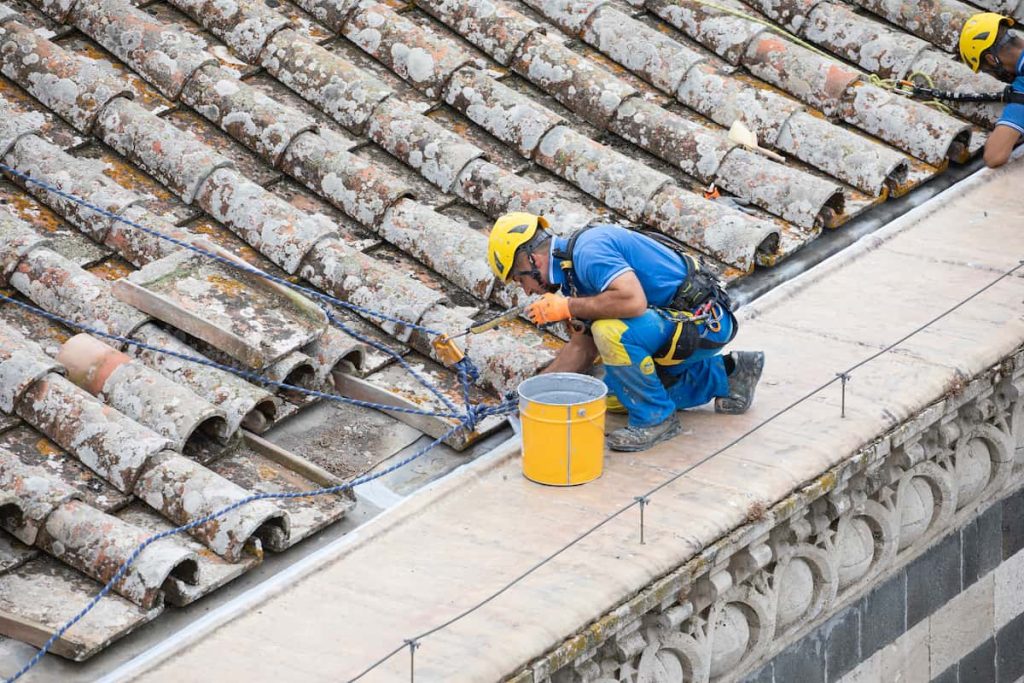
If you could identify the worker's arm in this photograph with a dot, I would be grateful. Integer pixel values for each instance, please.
(576, 356)
(624, 298)
(1000, 145)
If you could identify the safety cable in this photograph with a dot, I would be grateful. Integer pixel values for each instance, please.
(474, 413)
(123, 568)
(646, 496)
(468, 418)
(321, 298)
(254, 377)
(897, 86)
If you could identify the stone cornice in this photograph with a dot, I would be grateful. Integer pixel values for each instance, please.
(796, 562)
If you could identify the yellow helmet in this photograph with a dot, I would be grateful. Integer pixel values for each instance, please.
(979, 34)
(510, 232)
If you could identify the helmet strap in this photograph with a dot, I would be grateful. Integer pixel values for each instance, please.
(999, 70)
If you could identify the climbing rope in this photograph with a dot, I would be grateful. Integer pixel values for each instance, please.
(244, 374)
(323, 300)
(123, 568)
(899, 86)
(468, 418)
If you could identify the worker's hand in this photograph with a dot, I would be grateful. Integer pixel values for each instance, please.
(550, 308)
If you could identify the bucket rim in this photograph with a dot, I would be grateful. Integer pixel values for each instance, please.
(572, 376)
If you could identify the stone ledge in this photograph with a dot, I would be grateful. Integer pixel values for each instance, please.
(773, 580)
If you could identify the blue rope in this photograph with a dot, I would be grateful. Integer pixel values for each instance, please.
(468, 418)
(322, 299)
(473, 414)
(502, 409)
(244, 374)
(244, 267)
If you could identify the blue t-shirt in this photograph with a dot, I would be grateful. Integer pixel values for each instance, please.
(604, 252)
(1013, 113)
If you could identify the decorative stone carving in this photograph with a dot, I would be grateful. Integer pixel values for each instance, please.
(876, 511)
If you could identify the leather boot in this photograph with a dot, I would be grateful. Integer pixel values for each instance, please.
(742, 382)
(642, 438)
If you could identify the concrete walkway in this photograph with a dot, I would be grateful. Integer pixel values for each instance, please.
(419, 570)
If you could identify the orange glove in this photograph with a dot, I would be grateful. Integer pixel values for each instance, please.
(550, 308)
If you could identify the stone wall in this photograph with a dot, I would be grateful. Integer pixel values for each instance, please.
(954, 614)
(817, 562)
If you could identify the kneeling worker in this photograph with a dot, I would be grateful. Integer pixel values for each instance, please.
(987, 44)
(657, 319)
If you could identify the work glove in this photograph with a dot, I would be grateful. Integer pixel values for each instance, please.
(550, 308)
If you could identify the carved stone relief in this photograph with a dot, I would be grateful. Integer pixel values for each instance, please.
(913, 486)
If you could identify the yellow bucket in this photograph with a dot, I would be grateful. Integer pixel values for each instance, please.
(563, 428)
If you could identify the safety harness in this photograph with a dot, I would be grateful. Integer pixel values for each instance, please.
(698, 306)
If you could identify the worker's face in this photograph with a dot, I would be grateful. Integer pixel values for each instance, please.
(522, 273)
(999, 60)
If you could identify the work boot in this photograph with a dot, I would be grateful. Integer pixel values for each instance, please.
(742, 383)
(642, 438)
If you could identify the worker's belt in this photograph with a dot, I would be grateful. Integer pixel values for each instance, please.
(691, 331)
(700, 288)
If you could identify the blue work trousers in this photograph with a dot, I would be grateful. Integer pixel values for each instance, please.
(628, 347)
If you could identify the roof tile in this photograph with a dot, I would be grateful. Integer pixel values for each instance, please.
(83, 178)
(105, 440)
(35, 494)
(620, 182)
(332, 83)
(245, 25)
(577, 83)
(362, 189)
(421, 143)
(97, 543)
(332, 13)
(937, 21)
(243, 404)
(278, 230)
(45, 594)
(365, 282)
(569, 15)
(494, 192)
(75, 89)
(879, 49)
(249, 116)
(183, 490)
(450, 248)
(652, 55)
(45, 276)
(510, 116)
(167, 55)
(730, 236)
(141, 393)
(174, 158)
(493, 27)
(421, 58)
(32, 448)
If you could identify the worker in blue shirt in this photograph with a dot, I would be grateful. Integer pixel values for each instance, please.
(656, 318)
(987, 43)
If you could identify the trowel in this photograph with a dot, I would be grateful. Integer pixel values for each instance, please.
(449, 353)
